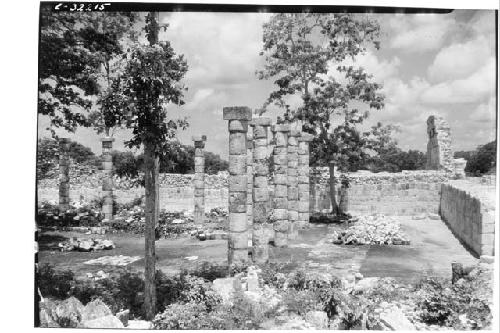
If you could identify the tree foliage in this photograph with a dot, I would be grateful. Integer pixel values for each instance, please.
(74, 49)
(482, 160)
(306, 54)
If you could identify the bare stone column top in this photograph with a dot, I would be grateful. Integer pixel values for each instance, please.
(306, 137)
(237, 113)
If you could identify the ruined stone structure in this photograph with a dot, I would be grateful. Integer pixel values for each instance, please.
(439, 154)
(249, 182)
(261, 204)
(199, 179)
(63, 175)
(280, 200)
(292, 183)
(238, 118)
(303, 178)
(107, 181)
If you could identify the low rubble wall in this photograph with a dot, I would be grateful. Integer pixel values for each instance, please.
(405, 193)
(468, 208)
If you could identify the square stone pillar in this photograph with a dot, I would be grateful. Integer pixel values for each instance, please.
(303, 177)
(199, 179)
(107, 180)
(292, 183)
(249, 183)
(238, 118)
(280, 200)
(262, 228)
(63, 174)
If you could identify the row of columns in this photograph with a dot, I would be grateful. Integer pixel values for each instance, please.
(249, 199)
(107, 181)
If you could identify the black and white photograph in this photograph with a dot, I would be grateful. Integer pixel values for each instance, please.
(217, 166)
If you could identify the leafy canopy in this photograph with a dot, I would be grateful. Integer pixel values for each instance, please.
(306, 54)
(75, 54)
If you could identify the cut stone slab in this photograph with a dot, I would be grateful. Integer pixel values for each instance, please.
(94, 310)
(120, 260)
(225, 287)
(109, 321)
(139, 325)
(237, 113)
(396, 320)
(318, 319)
(123, 316)
(70, 311)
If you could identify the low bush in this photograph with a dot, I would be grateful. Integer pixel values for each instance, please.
(442, 303)
(51, 282)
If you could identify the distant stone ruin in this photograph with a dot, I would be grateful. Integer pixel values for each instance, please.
(439, 154)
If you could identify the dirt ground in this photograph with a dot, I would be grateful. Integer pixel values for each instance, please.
(432, 250)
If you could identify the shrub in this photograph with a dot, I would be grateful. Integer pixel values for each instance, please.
(187, 316)
(441, 303)
(301, 301)
(55, 283)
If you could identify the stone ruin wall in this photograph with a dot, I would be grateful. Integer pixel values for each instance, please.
(406, 193)
(439, 152)
(468, 208)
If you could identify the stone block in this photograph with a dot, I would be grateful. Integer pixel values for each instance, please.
(237, 112)
(237, 222)
(238, 183)
(238, 240)
(280, 191)
(260, 194)
(280, 203)
(260, 182)
(260, 153)
(237, 165)
(260, 169)
(237, 144)
(199, 168)
(280, 214)
(237, 202)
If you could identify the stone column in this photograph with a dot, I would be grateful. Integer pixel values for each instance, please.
(249, 183)
(293, 183)
(107, 180)
(199, 179)
(238, 117)
(261, 204)
(280, 199)
(439, 154)
(303, 177)
(63, 175)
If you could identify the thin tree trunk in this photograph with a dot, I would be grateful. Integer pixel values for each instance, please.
(335, 206)
(152, 209)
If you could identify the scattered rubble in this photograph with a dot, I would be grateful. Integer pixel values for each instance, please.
(371, 229)
(86, 245)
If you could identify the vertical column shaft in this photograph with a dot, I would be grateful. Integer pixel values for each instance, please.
(63, 175)
(292, 183)
(261, 204)
(199, 179)
(107, 180)
(238, 118)
(303, 176)
(280, 199)
(249, 183)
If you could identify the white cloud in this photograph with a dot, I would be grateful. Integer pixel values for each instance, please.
(474, 88)
(485, 112)
(419, 33)
(459, 60)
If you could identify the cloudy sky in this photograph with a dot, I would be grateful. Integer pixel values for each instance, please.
(429, 64)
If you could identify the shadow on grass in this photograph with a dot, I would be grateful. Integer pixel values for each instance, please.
(50, 242)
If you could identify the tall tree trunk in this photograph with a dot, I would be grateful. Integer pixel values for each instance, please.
(335, 206)
(151, 164)
(151, 170)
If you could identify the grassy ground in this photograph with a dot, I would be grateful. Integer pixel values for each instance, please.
(430, 253)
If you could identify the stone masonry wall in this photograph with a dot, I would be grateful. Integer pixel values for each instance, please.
(469, 210)
(407, 193)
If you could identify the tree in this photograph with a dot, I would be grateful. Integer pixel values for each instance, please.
(300, 50)
(74, 48)
(149, 82)
(483, 160)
